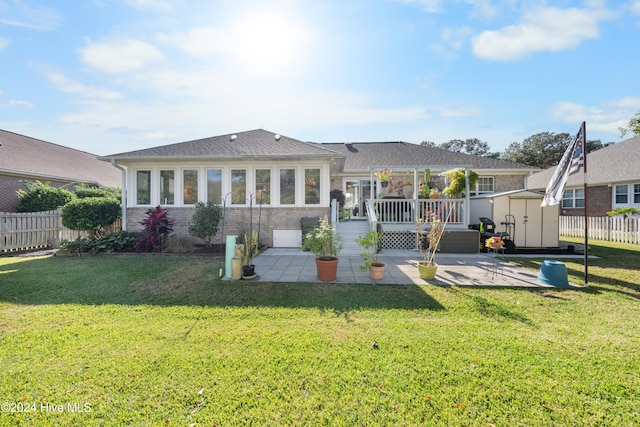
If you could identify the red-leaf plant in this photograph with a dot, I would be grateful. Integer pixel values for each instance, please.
(157, 226)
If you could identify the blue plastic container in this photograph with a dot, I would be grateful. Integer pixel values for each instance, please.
(553, 273)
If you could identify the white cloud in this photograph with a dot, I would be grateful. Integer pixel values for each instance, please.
(635, 7)
(65, 84)
(451, 42)
(608, 117)
(119, 56)
(541, 29)
(199, 42)
(4, 42)
(24, 15)
(17, 103)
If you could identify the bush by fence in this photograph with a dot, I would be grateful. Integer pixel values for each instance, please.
(613, 229)
(33, 230)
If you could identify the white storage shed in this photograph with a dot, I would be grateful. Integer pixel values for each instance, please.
(534, 226)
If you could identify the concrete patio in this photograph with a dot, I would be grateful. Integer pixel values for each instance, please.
(295, 265)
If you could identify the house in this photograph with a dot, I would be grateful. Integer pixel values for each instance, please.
(24, 158)
(403, 158)
(613, 181)
(277, 181)
(255, 175)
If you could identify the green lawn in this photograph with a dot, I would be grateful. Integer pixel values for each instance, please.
(159, 340)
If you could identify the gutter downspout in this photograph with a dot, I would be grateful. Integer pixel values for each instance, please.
(124, 193)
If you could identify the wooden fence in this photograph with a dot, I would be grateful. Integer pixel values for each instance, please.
(613, 229)
(33, 230)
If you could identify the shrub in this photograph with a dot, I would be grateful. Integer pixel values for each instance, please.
(204, 223)
(83, 192)
(93, 214)
(114, 242)
(157, 226)
(39, 197)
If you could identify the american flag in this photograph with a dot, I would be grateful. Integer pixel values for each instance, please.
(571, 162)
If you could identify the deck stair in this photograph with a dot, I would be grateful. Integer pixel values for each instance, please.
(350, 230)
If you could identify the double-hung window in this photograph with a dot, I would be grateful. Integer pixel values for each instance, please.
(573, 198)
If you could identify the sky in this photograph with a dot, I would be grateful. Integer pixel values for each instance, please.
(110, 76)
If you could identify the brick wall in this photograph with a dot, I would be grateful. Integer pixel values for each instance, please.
(9, 184)
(236, 220)
(599, 200)
(502, 183)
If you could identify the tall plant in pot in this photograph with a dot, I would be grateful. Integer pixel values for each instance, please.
(325, 244)
(371, 243)
(429, 245)
(251, 249)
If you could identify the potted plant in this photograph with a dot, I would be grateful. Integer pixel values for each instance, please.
(458, 182)
(371, 244)
(325, 245)
(434, 193)
(251, 249)
(429, 245)
(423, 190)
(384, 175)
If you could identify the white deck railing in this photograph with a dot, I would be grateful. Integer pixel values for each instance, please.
(408, 211)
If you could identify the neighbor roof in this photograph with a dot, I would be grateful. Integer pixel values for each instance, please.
(257, 143)
(608, 165)
(361, 155)
(23, 155)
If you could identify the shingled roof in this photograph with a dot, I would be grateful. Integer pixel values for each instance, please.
(608, 165)
(25, 156)
(361, 155)
(257, 143)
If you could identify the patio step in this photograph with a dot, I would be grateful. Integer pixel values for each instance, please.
(350, 231)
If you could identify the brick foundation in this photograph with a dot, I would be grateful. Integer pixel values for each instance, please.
(235, 222)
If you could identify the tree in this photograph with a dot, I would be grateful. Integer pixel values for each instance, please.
(469, 146)
(39, 197)
(633, 126)
(541, 150)
(205, 220)
(545, 149)
(428, 144)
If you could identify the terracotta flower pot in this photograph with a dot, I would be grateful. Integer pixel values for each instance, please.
(327, 269)
(427, 271)
(376, 271)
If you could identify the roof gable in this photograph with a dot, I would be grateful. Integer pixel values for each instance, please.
(249, 144)
(361, 155)
(24, 155)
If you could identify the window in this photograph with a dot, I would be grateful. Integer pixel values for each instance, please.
(287, 186)
(636, 193)
(573, 198)
(238, 187)
(484, 185)
(312, 186)
(143, 187)
(622, 194)
(167, 187)
(190, 186)
(263, 186)
(214, 185)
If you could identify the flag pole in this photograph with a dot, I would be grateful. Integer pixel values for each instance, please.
(586, 198)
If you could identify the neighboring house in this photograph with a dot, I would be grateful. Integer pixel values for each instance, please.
(613, 181)
(281, 179)
(24, 158)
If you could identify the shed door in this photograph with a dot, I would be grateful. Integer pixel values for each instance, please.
(528, 217)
